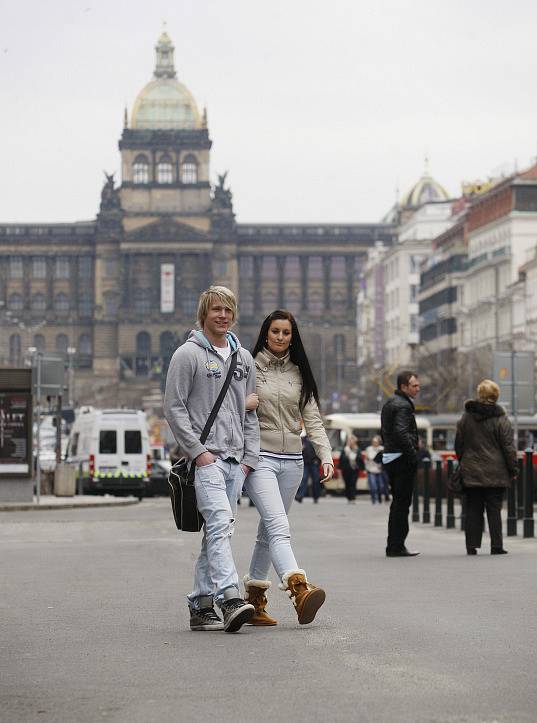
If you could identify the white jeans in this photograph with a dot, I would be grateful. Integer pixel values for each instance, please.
(218, 487)
(272, 488)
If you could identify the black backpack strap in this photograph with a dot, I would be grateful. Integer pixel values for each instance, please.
(220, 399)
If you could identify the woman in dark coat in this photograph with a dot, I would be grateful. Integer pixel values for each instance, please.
(485, 447)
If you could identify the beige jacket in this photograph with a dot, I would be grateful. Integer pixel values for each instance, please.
(278, 385)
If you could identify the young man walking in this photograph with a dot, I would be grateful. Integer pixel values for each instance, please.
(195, 377)
(400, 436)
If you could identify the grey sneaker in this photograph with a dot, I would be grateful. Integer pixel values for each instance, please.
(204, 617)
(236, 612)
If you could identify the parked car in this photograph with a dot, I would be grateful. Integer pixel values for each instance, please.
(110, 447)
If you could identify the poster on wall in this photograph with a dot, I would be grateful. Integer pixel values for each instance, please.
(167, 288)
(15, 438)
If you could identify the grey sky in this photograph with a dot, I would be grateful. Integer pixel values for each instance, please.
(317, 109)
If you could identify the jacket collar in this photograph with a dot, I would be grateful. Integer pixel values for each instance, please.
(401, 394)
(266, 358)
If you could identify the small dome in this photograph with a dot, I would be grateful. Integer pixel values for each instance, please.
(165, 103)
(425, 190)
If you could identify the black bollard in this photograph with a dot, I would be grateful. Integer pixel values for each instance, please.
(529, 525)
(416, 501)
(426, 491)
(438, 495)
(450, 517)
(463, 512)
(520, 489)
(511, 510)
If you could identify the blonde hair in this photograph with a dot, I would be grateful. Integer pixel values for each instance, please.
(224, 295)
(488, 391)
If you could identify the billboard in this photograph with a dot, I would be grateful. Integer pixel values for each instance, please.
(15, 434)
(167, 288)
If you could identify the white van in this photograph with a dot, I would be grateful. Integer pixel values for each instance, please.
(110, 447)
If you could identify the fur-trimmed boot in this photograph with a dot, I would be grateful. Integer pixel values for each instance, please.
(256, 595)
(306, 598)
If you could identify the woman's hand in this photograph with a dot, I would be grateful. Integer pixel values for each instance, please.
(328, 471)
(252, 402)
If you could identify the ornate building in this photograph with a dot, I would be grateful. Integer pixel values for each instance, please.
(119, 293)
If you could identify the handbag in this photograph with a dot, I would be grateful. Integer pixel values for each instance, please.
(455, 483)
(181, 477)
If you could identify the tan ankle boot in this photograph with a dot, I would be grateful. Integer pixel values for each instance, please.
(306, 598)
(255, 594)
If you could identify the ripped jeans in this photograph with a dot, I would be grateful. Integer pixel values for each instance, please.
(218, 487)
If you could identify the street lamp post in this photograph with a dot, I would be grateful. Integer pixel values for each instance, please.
(71, 351)
(37, 356)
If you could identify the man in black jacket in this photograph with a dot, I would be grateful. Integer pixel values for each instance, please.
(400, 458)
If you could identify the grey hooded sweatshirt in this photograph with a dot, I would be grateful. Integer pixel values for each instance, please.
(195, 377)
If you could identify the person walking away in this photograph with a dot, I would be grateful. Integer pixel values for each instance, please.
(349, 465)
(288, 398)
(485, 447)
(196, 374)
(311, 471)
(400, 436)
(373, 466)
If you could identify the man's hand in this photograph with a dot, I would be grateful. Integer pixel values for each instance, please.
(252, 402)
(204, 459)
(328, 472)
(246, 469)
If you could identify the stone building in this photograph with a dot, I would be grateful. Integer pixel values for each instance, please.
(118, 293)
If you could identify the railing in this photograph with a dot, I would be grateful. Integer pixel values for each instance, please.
(520, 498)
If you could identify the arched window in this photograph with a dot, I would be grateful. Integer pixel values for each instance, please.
(84, 344)
(38, 302)
(61, 303)
(85, 307)
(143, 354)
(15, 302)
(167, 345)
(165, 170)
(62, 343)
(140, 170)
(14, 348)
(39, 342)
(142, 301)
(189, 169)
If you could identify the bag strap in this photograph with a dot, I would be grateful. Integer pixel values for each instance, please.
(220, 399)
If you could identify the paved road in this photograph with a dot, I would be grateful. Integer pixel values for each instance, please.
(93, 625)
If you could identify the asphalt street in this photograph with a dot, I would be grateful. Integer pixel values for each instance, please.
(94, 625)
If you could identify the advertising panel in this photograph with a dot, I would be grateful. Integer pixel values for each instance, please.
(167, 288)
(15, 434)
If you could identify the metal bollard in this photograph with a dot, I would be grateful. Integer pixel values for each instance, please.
(511, 510)
(463, 512)
(438, 495)
(520, 489)
(426, 491)
(529, 524)
(416, 501)
(80, 481)
(450, 517)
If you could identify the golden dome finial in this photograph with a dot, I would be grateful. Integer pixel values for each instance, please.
(204, 118)
(125, 118)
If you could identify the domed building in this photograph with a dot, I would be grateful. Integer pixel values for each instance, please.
(425, 190)
(120, 292)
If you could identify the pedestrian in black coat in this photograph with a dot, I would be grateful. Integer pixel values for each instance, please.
(400, 437)
(487, 455)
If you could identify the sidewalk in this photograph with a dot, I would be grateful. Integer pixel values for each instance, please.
(51, 502)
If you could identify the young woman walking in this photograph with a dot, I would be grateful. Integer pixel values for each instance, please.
(286, 397)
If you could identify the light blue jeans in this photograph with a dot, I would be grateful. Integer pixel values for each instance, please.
(272, 488)
(218, 486)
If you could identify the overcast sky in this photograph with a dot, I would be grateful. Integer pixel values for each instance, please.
(319, 110)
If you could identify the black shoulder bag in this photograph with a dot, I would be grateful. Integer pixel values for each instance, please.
(181, 477)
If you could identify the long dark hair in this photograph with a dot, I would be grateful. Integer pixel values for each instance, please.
(297, 354)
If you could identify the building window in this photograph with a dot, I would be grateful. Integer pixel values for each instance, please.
(15, 302)
(315, 267)
(339, 268)
(111, 303)
(39, 342)
(140, 170)
(15, 267)
(85, 306)
(62, 343)
(39, 267)
(61, 270)
(110, 268)
(165, 170)
(189, 169)
(38, 302)
(85, 266)
(143, 353)
(61, 303)
(142, 301)
(84, 344)
(14, 348)
(189, 302)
